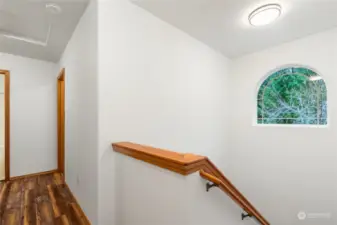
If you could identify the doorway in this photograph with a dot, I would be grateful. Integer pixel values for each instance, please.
(4, 125)
(61, 122)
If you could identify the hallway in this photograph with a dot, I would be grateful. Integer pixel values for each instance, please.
(40, 200)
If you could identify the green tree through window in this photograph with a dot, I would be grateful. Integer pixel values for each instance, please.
(294, 95)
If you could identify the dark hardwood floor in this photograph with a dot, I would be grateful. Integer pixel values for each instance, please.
(39, 200)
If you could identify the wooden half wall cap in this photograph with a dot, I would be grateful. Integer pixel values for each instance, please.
(185, 164)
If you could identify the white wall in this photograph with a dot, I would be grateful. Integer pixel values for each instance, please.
(80, 63)
(2, 85)
(33, 114)
(284, 169)
(149, 195)
(157, 86)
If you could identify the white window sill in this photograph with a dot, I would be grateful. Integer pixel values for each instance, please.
(291, 125)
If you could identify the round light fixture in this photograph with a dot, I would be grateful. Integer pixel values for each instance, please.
(302, 215)
(53, 8)
(265, 14)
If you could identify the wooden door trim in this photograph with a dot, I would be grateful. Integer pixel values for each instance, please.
(61, 75)
(7, 123)
(61, 122)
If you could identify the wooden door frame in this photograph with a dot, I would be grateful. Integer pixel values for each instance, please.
(61, 122)
(7, 123)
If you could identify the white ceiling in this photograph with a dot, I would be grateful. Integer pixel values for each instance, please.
(29, 19)
(223, 24)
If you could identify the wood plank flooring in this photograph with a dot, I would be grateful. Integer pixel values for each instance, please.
(39, 200)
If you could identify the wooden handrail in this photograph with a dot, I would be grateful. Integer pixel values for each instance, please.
(186, 164)
(233, 194)
(226, 189)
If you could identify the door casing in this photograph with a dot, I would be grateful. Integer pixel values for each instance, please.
(6, 73)
(61, 122)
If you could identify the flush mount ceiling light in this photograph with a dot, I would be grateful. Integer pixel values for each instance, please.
(265, 14)
(53, 8)
(302, 215)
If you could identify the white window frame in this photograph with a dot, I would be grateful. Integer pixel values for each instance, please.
(255, 119)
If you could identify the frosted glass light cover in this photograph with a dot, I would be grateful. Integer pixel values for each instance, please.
(265, 15)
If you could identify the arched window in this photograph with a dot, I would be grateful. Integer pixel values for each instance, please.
(293, 95)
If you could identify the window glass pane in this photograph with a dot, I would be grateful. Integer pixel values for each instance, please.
(292, 95)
